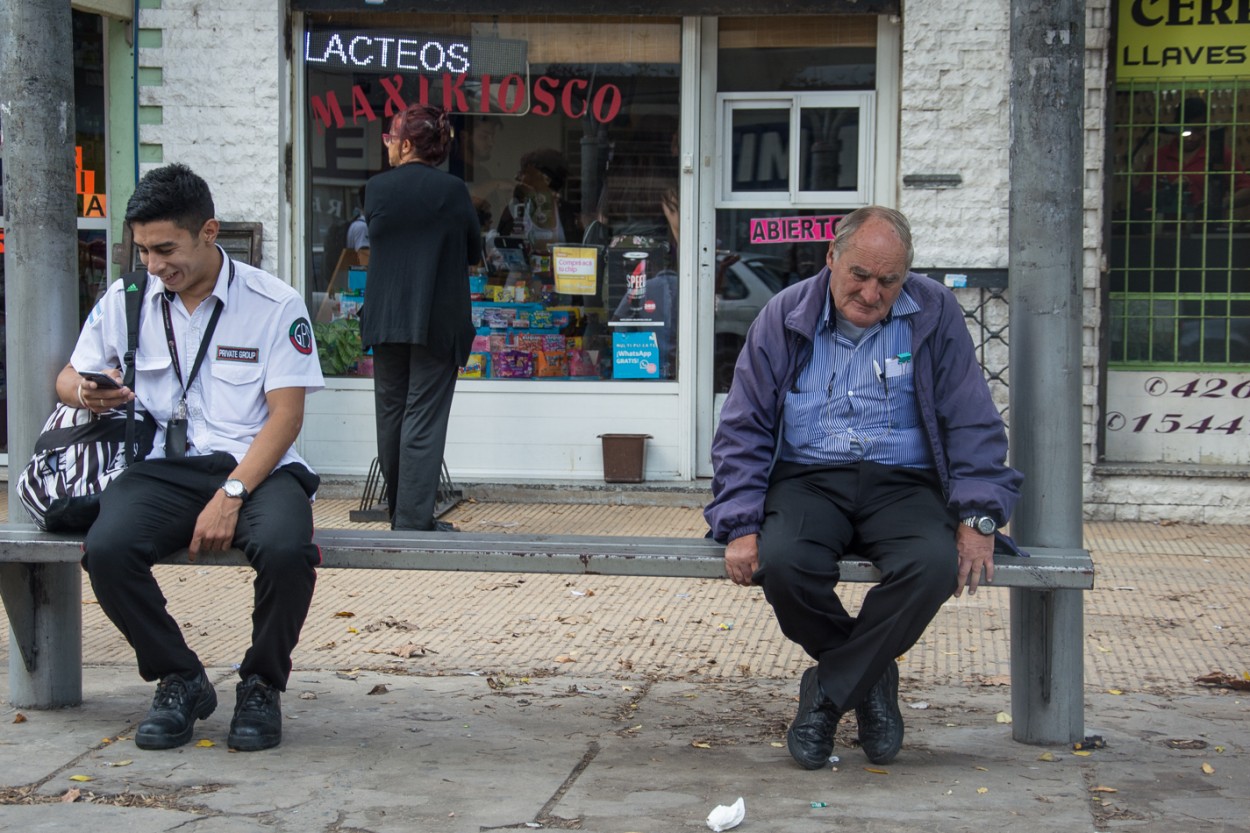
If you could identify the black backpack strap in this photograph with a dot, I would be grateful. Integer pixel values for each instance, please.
(134, 287)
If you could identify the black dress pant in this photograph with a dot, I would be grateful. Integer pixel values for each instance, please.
(150, 512)
(895, 517)
(412, 391)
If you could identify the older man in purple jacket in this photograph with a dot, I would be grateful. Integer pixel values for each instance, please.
(859, 421)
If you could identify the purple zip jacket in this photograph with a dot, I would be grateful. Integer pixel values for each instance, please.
(965, 432)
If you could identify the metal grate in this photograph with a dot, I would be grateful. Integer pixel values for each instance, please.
(1179, 252)
(987, 314)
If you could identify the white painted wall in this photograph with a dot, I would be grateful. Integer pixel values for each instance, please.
(221, 63)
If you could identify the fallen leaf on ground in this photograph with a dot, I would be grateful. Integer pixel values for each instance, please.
(1046, 756)
(205, 744)
(1222, 680)
(1002, 717)
(1115, 691)
(1187, 743)
(71, 796)
(81, 778)
(982, 790)
(344, 614)
(1103, 790)
(1084, 753)
(701, 744)
(777, 744)
(19, 718)
(876, 771)
(307, 695)
(1207, 768)
(391, 622)
(406, 651)
(118, 763)
(380, 688)
(565, 658)
(981, 768)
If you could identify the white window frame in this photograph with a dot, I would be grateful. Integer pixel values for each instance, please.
(728, 103)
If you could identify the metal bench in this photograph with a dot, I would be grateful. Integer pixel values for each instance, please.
(42, 593)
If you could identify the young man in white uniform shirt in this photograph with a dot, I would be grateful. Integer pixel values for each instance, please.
(222, 471)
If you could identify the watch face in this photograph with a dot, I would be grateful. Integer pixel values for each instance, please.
(986, 525)
(233, 488)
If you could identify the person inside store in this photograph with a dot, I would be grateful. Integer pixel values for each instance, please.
(538, 212)
(358, 230)
(1191, 171)
(424, 233)
(225, 359)
(859, 421)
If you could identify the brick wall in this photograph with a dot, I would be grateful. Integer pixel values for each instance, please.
(209, 98)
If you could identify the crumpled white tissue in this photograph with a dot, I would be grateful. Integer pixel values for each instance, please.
(727, 818)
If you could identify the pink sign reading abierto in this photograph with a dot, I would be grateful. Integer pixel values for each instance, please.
(793, 229)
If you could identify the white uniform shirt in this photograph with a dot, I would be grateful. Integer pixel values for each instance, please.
(263, 341)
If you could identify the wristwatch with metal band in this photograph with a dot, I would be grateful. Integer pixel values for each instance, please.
(983, 524)
(234, 488)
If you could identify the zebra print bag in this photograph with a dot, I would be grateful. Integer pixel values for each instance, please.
(76, 456)
(79, 453)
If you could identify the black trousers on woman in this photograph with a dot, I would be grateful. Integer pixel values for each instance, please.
(895, 517)
(412, 391)
(150, 512)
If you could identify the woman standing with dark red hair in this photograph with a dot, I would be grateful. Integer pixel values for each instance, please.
(424, 234)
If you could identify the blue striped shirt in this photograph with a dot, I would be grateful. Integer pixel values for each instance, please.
(855, 400)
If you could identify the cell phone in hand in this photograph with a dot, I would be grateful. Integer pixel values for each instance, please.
(100, 378)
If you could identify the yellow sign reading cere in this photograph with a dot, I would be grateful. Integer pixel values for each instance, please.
(1178, 39)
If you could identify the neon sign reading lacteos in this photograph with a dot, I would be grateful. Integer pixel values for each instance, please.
(379, 53)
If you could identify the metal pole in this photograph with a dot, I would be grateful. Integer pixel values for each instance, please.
(1045, 241)
(41, 314)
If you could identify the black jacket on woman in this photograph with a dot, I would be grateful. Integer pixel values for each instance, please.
(423, 234)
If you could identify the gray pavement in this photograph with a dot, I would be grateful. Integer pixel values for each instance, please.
(618, 705)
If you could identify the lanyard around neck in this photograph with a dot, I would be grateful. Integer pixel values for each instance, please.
(208, 335)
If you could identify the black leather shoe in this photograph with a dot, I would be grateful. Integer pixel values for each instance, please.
(880, 721)
(178, 703)
(810, 739)
(257, 722)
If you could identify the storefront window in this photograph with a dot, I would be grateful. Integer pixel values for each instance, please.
(1180, 228)
(89, 179)
(796, 111)
(567, 138)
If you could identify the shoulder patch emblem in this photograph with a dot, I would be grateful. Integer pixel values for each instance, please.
(301, 336)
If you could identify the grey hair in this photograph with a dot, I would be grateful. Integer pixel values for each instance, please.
(852, 223)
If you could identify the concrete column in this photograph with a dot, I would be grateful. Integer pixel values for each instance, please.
(1045, 242)
(41, 313)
